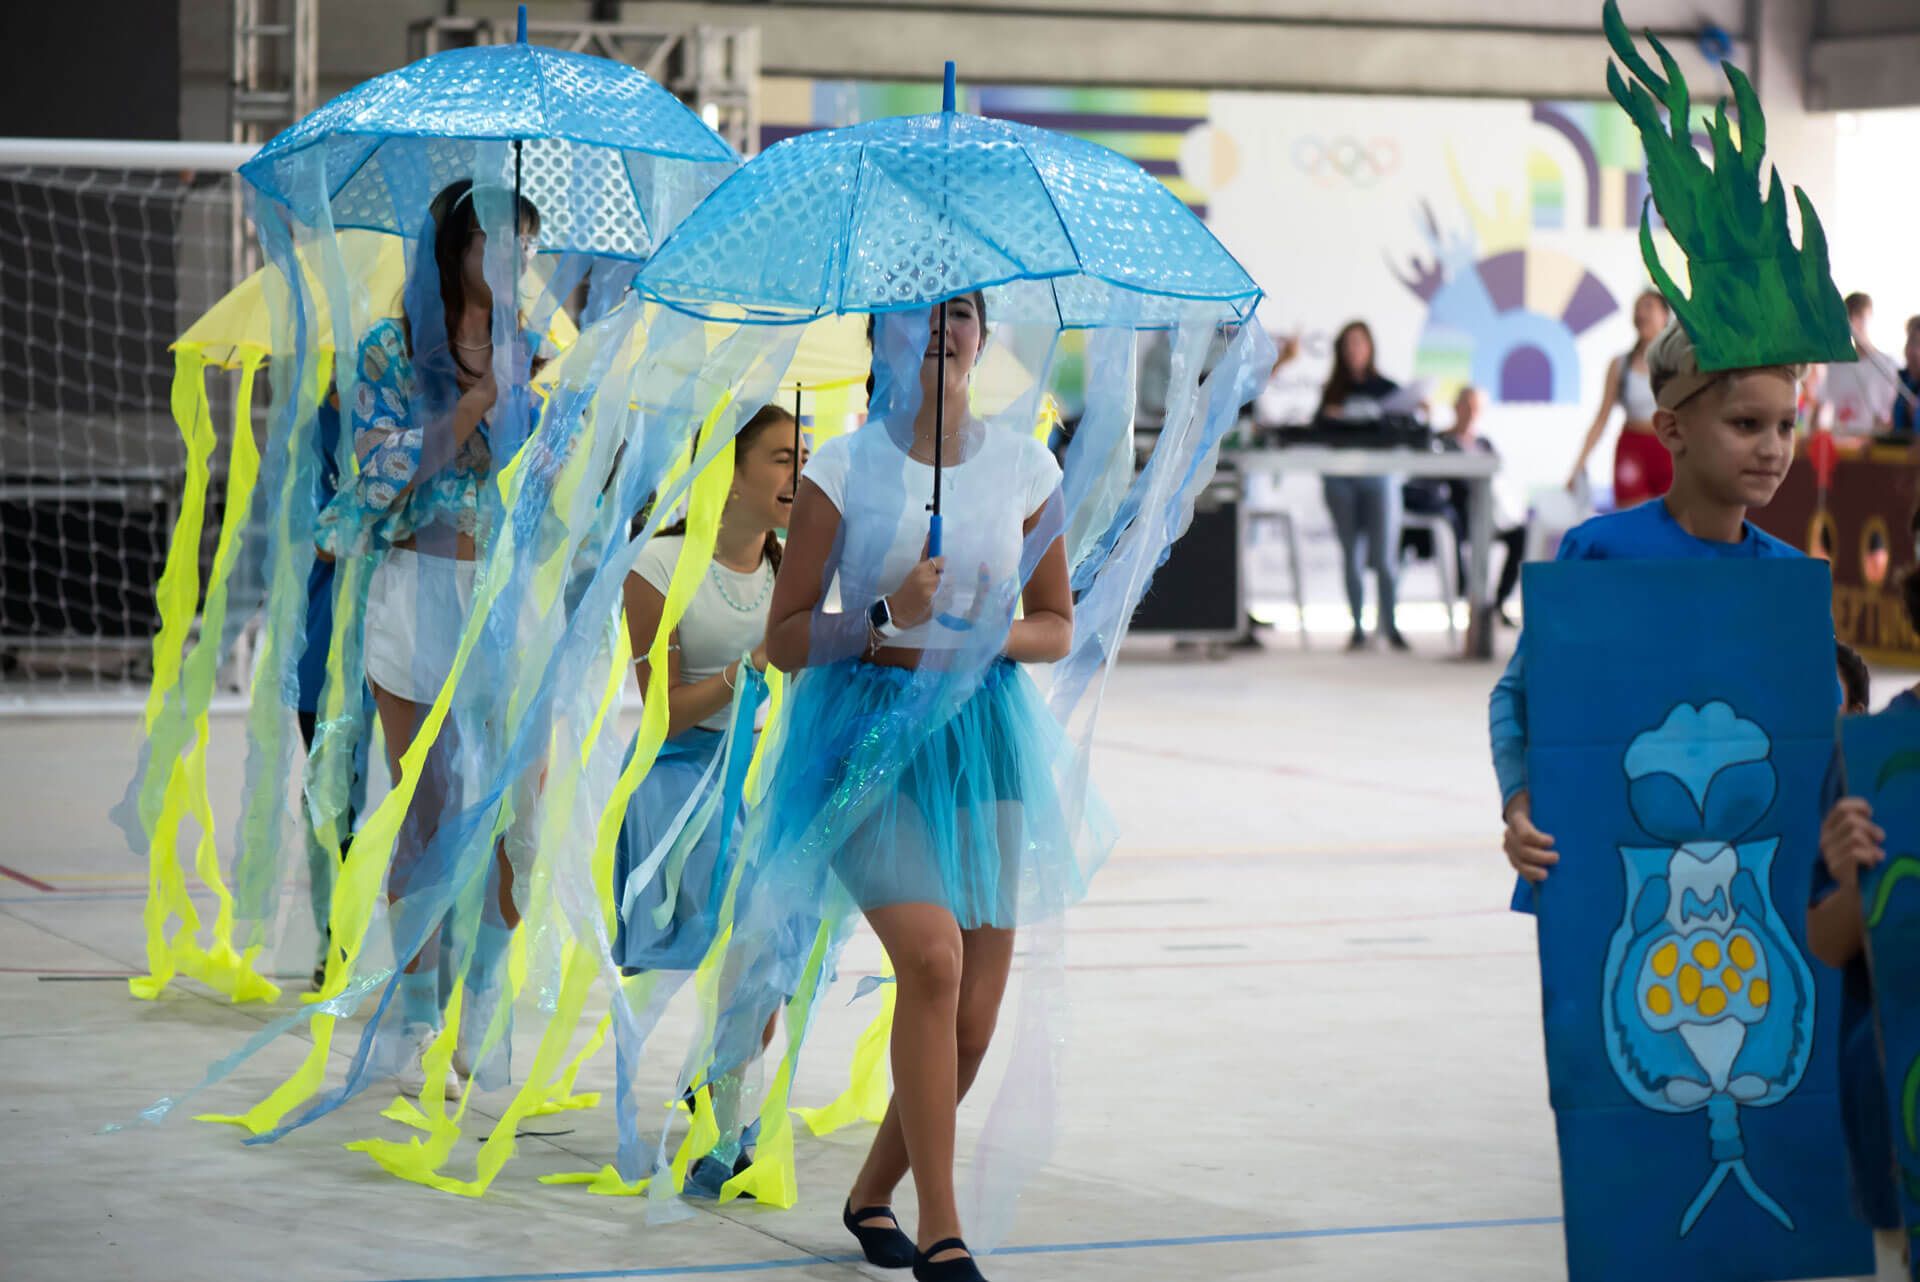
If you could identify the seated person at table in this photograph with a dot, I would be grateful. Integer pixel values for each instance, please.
(1452, 498)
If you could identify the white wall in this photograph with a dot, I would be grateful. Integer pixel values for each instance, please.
(1875, 226)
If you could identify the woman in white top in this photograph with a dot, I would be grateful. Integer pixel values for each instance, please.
(669, 906)
(724, 628)
(1642, 468)
(915, 784)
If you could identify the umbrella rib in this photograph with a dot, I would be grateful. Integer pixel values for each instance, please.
(846, 231)
(1054, 205)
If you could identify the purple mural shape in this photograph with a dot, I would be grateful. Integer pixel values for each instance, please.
(1484, 318)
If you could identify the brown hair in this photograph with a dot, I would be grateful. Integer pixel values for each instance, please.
(1340, 384)
(1854, 677)
(455, 220)
(1640, 345)
(1858, 302)
(763, 418)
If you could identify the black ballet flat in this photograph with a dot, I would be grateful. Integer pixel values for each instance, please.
(885, 1246)
(961, 1268)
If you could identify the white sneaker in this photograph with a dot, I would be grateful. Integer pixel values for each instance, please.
(494, 1070)
(412, 1077)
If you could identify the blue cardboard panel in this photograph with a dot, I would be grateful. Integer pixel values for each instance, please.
(1883, 765)
(1680, 722)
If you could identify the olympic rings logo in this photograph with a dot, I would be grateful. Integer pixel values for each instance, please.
(1345, 160)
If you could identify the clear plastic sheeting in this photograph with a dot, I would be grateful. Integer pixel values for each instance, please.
(962, 781)
(462, 505)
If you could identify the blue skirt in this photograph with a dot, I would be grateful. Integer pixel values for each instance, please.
(901, 797)
(669, 924)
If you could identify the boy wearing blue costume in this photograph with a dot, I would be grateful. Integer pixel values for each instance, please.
(1731, 436)
(1725, 375)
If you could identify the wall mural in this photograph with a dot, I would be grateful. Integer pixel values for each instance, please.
(1491, 242)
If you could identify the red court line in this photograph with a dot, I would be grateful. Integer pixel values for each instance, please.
(25, 880)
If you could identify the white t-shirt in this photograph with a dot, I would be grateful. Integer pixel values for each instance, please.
(726, 618)
(1862, 392)
(882, 495)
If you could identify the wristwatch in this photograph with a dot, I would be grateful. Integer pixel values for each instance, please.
(880, 619)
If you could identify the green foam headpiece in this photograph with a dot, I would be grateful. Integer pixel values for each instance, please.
(1757, 300)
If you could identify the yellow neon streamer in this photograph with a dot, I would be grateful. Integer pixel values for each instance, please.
(865, 1099)
(214, 962)
(178, 592)
(771, 1178)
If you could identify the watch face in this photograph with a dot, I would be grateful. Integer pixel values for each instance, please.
(878, 615)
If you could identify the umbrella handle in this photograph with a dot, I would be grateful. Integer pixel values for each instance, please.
(933, 536)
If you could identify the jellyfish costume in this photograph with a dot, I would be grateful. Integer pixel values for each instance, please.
(571, 169)
(962, 781)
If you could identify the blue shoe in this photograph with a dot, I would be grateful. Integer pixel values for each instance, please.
(709, 1176)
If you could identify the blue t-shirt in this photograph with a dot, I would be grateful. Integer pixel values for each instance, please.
(1903, 408)
(1644, 533)
(1864, 1114)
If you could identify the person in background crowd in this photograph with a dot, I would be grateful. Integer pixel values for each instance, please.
(1364, 508)
(1642, 469)
(1907, 394)
(1453, 499)
(1860, 396)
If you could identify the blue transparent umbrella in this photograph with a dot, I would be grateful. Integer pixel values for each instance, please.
(913, 210)
(612, 159)
(907, 211)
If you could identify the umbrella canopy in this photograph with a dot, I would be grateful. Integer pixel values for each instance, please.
(905, 212)
(612, 159)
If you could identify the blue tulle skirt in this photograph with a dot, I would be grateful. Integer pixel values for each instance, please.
(669, 921)
(894, 788)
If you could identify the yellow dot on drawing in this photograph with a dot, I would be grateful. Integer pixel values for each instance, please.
(1731, 978)
(1707, 953)
(1712, 1000)
(1665, 958)
(1659, 1000)
(1740, 952)
(1757, 992)
(1689, 985)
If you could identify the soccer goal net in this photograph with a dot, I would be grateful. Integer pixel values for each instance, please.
(108, 251)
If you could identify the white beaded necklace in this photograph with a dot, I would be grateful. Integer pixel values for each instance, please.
(766, 589)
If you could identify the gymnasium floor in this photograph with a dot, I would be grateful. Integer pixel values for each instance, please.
(1305, 1036)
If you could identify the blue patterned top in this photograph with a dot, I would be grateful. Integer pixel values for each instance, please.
(379, 509)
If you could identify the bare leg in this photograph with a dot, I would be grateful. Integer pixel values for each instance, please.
(399, 722)
(918, 1042)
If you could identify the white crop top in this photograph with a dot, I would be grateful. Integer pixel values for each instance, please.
(882, 495)
(726, 618)
(1636, 394)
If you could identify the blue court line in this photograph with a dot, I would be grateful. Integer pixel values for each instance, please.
(1056, 1248)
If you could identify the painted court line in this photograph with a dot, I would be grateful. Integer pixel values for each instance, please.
(25, 880)
(1054, 1248)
